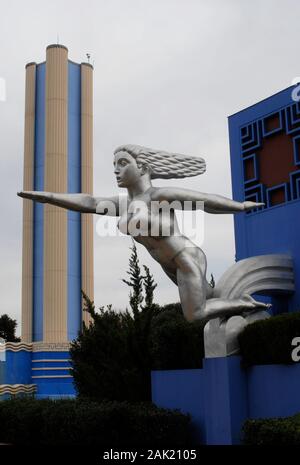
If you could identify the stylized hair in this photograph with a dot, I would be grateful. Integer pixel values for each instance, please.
(163, 164)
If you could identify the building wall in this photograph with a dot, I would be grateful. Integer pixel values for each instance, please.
(41, 369)
(57, 158)
(265, 165)
(38, 214)
(87, 181)
(55, 298)
(74, 185)
(28, 184)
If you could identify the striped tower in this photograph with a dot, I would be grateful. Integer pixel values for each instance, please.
(58, 157)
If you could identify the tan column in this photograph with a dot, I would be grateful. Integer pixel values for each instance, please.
(28, 185)
(56, 177)
(87, 230)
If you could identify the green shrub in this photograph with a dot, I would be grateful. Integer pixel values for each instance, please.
(174, 342)
(26, 421)
(269, 341)
(112, 359)
(103, 365)
(273, 431)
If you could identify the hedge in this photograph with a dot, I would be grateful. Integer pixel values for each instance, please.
(273, 431)
(269, 341)
(175, 344)
(26, 421)
(113, 358)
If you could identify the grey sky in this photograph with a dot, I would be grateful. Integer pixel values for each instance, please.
(167, 75)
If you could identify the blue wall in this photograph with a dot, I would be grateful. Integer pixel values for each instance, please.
(222, 395)
(74, 185)
(273, 390)
(38, 229)
(74, 218)
(273, 229)
(49, 371)
(184, 389)
(52, 374)
(18, 367)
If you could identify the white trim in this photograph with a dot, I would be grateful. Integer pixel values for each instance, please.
(51, 360)
(51, 346)
(52, 376)
(50, 368)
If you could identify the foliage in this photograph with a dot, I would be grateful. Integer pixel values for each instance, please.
(269, 341)
(135, 282)
(273, 431)
(112, 359)
(101, 359)
(26, 421)
(176, 343)
(8, 328)
(139, 323)
(149, 286)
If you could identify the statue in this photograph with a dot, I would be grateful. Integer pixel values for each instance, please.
(180, 258)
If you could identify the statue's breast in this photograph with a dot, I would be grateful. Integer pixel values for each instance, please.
(145, 219)
(137, 220)
(123, 224)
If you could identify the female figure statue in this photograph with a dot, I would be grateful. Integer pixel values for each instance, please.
(180, 258)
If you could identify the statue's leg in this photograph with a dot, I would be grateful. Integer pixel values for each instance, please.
(170, 273)
(191, 281)
(195, 293)
(216, 308)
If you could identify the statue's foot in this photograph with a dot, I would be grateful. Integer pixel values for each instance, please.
(249, 303)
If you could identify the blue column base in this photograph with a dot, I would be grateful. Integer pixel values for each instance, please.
(225, 400)
(45, 373)
(215, 397)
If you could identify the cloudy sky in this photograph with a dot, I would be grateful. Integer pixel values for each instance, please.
(167, 75)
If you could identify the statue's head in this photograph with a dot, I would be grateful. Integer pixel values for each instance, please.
(133, 161)
(128, 169)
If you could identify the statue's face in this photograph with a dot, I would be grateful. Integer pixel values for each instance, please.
(126, 169)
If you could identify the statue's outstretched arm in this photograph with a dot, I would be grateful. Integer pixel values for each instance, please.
(212, 203)
(84, 203)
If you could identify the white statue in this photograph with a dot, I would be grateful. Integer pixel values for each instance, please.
(180, 258)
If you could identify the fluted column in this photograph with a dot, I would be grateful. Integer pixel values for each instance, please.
(55, 219)
(87, 181)
(28, 184)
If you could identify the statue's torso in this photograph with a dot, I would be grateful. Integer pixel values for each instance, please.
(156, 228)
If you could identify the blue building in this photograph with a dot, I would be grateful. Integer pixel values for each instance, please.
(57, 244)
(265, 165)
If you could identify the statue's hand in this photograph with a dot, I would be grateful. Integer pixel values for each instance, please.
(42, 197)
(249, 205)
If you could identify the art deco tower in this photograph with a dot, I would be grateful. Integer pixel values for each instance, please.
(58, 157)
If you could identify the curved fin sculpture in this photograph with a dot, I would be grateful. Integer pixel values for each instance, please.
(263, 274)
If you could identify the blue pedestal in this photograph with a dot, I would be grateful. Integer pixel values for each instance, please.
(225, 400)
(184, 390)
(222, 395)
